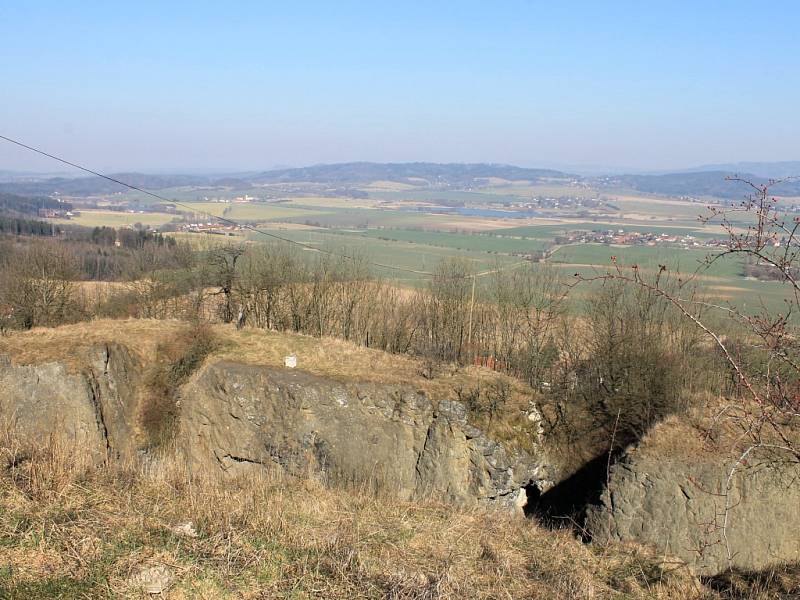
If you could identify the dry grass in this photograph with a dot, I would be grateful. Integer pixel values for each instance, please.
(713, 430)
(72, 532)
(68, 343)
(89, 534)
(326, 357)
(780, 583)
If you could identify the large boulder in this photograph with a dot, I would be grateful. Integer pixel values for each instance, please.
(116, 379)
(40, 403)
(91, 410)
(237, 419)
(679, 507)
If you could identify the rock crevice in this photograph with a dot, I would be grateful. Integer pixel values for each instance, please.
(238, 419)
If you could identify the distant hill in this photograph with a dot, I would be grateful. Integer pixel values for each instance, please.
(706, 183)
(768, 170)
(87, 186)
(423, 174)
(343, 173)
(365, 172)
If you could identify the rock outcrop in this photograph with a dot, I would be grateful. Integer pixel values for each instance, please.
(38, 402)
(93, 409)
(239, 418)
(678, 506)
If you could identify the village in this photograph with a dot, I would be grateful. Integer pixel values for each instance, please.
(635, 238)
(539, 202)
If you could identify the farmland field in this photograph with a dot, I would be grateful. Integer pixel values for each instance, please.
(685, 261)
(328, 202)
(550, 231)
(416, 240)
(111, 218)
(446, 196)
(252, 211)
(411, 256)
(477, 242)
(366, 217)
(527, 191)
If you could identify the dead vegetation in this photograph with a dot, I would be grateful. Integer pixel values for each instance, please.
(161, 344)
(176, 358)
(68, 532)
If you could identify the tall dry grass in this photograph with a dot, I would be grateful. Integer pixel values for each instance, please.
(332, 358)
(73, 531)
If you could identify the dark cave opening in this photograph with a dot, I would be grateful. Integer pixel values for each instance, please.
(565, 504)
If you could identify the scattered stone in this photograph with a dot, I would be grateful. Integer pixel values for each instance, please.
(185, 530)
(152, 580)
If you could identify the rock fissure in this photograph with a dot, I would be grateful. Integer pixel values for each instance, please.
(97, 404)
(243, 459)
(240, 419)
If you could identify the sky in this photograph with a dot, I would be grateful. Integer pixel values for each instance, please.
(239, 86)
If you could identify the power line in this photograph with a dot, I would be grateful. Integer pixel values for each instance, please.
(213, 216)
(232, 221)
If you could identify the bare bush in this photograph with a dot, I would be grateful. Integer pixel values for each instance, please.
(37, 285)
(445, 311)
(631, 370)
(527, 303)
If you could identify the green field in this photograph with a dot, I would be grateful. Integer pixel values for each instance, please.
(549, 190)
(447, 196)
(268, 212)
(414, 256)
(722, 280)
(187, 194)
(352, 218)
(418, 241)
(463, 241)
(550, 231)
(677, 259)
(253, 211)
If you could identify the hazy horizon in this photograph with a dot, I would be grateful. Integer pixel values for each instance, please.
(580, 87)
(761, 169)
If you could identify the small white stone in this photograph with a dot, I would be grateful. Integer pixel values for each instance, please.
(152, 580)
(185, 529)
(290, 361)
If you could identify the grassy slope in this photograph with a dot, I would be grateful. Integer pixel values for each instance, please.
(69, 534)
(326, 357)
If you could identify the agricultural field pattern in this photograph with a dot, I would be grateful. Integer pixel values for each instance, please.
(492, 223)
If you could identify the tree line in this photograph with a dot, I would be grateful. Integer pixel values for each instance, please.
(618, 356)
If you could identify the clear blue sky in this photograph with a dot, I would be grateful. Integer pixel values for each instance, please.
(237, 85)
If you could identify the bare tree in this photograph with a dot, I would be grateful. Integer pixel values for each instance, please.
(37, 285)
(446, 310)
(224, 275)
(528, 302)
